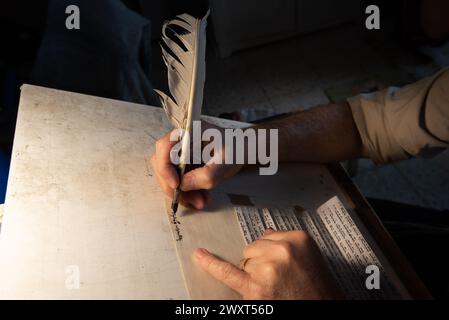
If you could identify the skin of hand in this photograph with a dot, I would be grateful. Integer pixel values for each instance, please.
(321, 135)
(280, 265)
(195, 183)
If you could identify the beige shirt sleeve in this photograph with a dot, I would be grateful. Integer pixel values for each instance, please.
(396, 124)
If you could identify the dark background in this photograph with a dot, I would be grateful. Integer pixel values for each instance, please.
(265, 58)
(23, 24)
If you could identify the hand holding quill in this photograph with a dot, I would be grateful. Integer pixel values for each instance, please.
(184, 52)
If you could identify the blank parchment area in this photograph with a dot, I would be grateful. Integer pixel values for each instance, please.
(82, 201)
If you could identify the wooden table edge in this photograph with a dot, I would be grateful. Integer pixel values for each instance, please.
(372, 222)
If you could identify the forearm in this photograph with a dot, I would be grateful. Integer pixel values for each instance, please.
(322, 134)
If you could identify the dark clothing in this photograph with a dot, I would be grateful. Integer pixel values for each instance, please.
(108, 56)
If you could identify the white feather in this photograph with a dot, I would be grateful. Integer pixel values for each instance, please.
(186, 69)
(185, 61)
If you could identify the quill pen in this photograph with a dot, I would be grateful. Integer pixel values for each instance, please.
(184, 52)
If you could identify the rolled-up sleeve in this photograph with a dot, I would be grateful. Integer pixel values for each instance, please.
(396, 124)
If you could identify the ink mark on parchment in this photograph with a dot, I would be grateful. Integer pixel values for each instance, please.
(176, 223)
(148, 167)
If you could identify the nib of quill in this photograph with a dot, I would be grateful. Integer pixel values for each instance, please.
(174, 207)
(175, 201)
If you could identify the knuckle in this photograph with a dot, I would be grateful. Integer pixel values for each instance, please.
(209, 182)
(208, 179)
(270, 270)
(247, 250)
(300, 235)
(225, 271)
(250, 247)
(303, 239)
(167, 190)
(285, 248)
(190, 180)
(258, 292)
(164, 187)
(208, 263)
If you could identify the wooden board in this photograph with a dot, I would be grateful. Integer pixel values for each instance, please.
(380, 235)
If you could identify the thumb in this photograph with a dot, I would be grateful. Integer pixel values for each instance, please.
(223, 271)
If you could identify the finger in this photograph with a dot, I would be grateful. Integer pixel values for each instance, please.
(164, 145)
(208, 176)
(275, 235)
(267, 244)
(292, 236)
(223, 271)
(195, 199)
(162, 163)
(257, 248)
(164, 185)
(201, 178)
(168, 172)
(268, 231)
(255, 266)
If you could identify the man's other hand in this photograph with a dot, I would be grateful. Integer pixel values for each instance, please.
(280, 265)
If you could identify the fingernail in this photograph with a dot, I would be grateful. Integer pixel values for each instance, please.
(268, 231)
(199, 204)
(200, 253)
